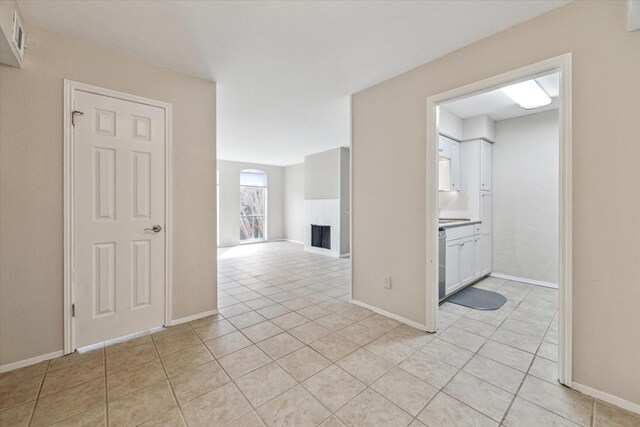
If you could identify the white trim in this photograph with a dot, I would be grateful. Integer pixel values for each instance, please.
(69, 202)
(30, 361)
(560, 63)
(351, 252)
(251, 242)
(345, 255)
(525, 280)
(606, 397)
(193, 317)
(389, 314)
(293, 241)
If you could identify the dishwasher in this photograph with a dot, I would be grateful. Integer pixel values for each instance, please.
(442, 263)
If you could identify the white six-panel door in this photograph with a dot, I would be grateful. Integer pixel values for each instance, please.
(119, 196)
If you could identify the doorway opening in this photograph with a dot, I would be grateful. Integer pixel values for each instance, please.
(499, 196)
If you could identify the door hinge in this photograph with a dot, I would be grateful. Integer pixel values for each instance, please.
(73, 310)
(73, 116)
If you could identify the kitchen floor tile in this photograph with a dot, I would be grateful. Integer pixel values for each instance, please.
(445, 411)
(405, 390)
(371, 409)
(262, 385)
(480, 395)
(296, 407)
(333, 387)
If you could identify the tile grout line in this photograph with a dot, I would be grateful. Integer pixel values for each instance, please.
(35, 404)
(173, 393)
(106, 389)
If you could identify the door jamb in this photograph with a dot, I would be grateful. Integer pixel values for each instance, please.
(68, 167)
(563, 64)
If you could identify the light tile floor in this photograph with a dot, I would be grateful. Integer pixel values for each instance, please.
(287, 349)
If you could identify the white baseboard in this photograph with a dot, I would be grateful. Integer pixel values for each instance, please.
(193, 317)
(250, 242)
(525, 280)
(391, 315)
(30, 361)
(606, 397)
(294, 241)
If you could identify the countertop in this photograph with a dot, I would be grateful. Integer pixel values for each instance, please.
(458, 224)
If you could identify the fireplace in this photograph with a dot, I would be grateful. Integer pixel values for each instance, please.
(321, 236)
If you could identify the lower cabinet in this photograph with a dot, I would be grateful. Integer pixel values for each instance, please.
(486, 254)
(477, 262)
(461, 263)
(467, 259)
(452, 281)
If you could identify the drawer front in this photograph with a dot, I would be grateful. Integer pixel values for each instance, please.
(477, 229)
(460, 232)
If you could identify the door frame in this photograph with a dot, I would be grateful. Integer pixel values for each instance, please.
(70, 87)
(563, 64)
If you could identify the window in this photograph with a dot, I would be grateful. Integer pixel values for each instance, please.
(253, 205)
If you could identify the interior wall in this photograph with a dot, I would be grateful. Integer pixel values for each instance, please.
(390, 169)
(31, 182)
(294, 203)
(229, 187)
(525, 197)
(322, 175)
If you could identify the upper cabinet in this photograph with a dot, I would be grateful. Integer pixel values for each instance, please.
(444, 146)
(449, 164)
(455, 166)
(485, 165)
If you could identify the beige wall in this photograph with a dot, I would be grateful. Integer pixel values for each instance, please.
(390, 170)
(31, 134)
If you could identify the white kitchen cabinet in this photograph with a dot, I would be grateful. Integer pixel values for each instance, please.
(467, 260)
(486, 254)
(485, 211)
(449, 164)
(477, 253)
(444, 146)
(452, 280)
(455, 166)
(485, 165)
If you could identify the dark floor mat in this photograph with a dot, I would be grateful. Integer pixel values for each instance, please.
(478, 299)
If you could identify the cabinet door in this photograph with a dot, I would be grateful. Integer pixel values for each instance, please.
(452, 281)
(485, 211)
(467, 261)
(485, 165)
(486, 253)
(444, 174)
(455, 166)
(444, 147)
(477, 255)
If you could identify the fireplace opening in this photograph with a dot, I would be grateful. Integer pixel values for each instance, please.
(321, 236)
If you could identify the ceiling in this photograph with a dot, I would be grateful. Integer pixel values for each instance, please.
(499, 106)
(285, 70)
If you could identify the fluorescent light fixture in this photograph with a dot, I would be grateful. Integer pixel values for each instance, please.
(528, 94)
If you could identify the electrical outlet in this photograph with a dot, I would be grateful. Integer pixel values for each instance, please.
(387, 282)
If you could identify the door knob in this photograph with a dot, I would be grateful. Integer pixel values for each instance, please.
(156, 228)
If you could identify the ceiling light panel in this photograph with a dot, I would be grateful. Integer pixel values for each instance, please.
(527, 94)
